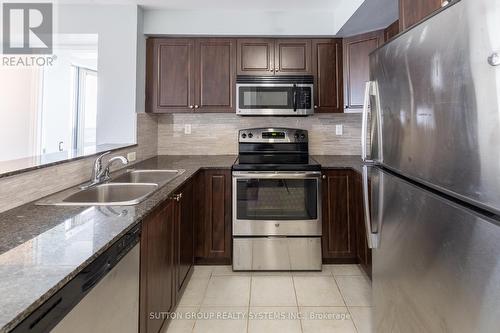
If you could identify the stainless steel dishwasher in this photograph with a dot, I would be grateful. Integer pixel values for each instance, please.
(103, 297)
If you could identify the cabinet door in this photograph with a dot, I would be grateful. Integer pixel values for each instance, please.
(255, 57)
(170, 75)
(184, 233)
(356, 67)
(363, 252)
(218, 216)
(391, 31)
(327, 67)
(157, 269)
(411, 12)
(199, 216)
(339, 243)
(292, 56)
(215, 76)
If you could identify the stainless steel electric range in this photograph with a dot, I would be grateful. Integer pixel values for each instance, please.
(276, 202)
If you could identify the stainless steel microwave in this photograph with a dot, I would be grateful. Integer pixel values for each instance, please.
(274, 95)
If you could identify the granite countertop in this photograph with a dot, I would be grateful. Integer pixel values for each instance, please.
(44, 247)
(340, 162)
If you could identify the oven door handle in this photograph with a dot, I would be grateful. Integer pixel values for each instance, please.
(277, 175)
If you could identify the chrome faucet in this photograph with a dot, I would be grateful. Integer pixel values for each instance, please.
(100, 174)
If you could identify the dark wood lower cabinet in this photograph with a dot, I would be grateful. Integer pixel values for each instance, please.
(166, 258)
(213, 227)
(344, 233)
(184, 232)
(194, 222)
(157, 268)
(339, 243)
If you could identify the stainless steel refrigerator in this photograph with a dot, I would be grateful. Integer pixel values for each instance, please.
(434, 173)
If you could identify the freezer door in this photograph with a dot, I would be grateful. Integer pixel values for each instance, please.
(436, 268)
(438, 89)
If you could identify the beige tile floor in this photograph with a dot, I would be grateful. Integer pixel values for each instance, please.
(218, 300)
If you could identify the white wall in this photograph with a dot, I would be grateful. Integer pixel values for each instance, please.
(18, 111)
(141, 63)
(116, 26)
(289, 22)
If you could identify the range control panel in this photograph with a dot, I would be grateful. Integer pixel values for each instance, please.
(272, 135)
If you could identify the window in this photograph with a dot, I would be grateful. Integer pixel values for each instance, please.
(85, 108)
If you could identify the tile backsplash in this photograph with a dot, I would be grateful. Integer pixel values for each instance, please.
(217, 133)
(211, 134)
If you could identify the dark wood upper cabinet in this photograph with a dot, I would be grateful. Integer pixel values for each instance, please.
(411, 12)
(339, 242)
(216, 68)
(391, 31)
(170, 75)
(157, 267)
(356, 66)
(265, 56)
(255, 56)
(327, 70)
(292, 57)
(190, 75)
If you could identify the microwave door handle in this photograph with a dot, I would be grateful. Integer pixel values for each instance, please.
(295, 98)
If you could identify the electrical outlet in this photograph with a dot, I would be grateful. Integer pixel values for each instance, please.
(339, 129)
(131, 156)
(187, 129)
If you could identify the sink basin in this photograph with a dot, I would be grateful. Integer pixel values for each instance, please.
(110, 194)
(159, 177)
(127, 189)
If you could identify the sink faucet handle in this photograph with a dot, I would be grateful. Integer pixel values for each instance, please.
(98, 165)
(104, 174)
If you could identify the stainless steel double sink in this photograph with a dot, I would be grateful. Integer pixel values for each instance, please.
(130, 188)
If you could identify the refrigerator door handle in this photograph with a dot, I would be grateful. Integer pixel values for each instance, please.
(364, 124)
(372, 238)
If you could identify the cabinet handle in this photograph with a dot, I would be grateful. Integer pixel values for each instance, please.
(276, 69)
(324, 176)
(177, 197)
(196, 106)
(191, 106)
(494, 59)
(315, 106)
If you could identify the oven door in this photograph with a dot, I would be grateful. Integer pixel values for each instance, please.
(277, 203)
(274, 99)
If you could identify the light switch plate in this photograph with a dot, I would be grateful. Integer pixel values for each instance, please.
(131, 156)
(187, 129)
(339, 129)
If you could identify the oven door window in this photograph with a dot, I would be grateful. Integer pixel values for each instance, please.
(277, 199)
(266, 97)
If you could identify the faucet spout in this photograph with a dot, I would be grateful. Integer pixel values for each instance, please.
(104, 174)
(100, 174)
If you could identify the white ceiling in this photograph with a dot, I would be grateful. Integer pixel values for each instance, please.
(268, 5)
(280, 17)
(229, 5)
(371, 15)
